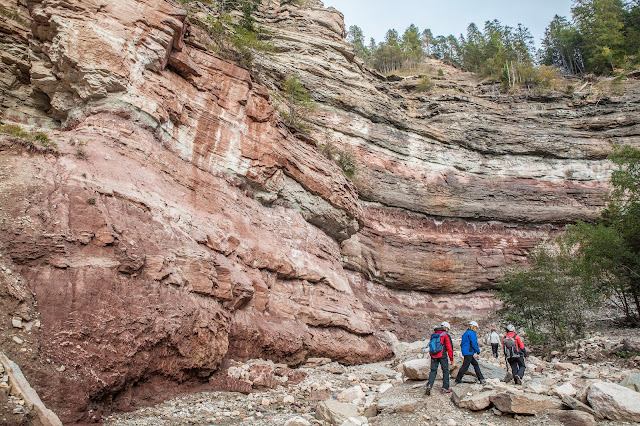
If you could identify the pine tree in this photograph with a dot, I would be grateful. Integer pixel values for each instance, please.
(601, 23)
(412, 46)
(561, 47)
(355, 37)
(298, 99)
(427, 40)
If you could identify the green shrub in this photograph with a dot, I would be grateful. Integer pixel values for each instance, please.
(347, 162)
(547, 300)
(235, 41)
(299, 103)
(344, 158)
(440, 72)
(593, 264)
(425, 84)
(14, 130)
(570, 89)
(626, 354)
(27, 138)
(44, 140)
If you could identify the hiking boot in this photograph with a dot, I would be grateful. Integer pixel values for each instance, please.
(427, 391)
(446, 390)
(483, 382)
(518, 380)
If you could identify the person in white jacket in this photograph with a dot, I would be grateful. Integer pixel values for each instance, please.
(493, 339)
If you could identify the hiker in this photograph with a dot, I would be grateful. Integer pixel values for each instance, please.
(440, 342)
(494, 340)
(469, 347)
(515, 353)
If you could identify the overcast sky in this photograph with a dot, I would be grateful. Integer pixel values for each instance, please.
(446, 17)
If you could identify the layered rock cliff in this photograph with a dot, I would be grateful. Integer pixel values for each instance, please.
(177, 222)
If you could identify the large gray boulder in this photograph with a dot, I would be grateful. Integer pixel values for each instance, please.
(574, 404)
(417, 369)
(403, 398)
(489, 371)
(335, 412)
(614, 402)
(524, 403)
(632, 381)
(572, 418)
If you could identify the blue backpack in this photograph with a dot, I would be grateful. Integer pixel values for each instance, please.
(435, 345)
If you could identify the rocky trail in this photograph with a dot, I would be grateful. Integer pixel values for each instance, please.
(392, 393)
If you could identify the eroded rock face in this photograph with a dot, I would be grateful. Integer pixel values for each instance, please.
(177, 221)
(456, 183)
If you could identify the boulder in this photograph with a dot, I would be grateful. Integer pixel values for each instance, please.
(489, 371)
(566, 366)
(403, 398)
(459, 392)
(316, 362)
(352, 395)
(21, 388)
(476, 402)
(632, 381)
(384, 387)
(574, 404)
(416, 369)
(614, 402)
(565, 390)
(297, 421)
(335, 412)
(536, 386)
(370, 411)
(572, 418)
(355, 421)
(524, 403)
(262, 375)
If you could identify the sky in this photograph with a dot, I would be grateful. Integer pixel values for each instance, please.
(446, 17)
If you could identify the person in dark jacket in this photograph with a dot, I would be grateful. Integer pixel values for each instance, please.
(469, 347)
(441, 359)
(516, 356)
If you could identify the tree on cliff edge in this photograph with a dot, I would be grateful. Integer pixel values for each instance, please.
(298, 100)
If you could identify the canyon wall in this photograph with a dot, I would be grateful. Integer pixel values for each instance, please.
(174, 222)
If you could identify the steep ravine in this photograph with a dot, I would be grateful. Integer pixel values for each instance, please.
(177, 223)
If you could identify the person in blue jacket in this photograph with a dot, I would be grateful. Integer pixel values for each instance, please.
(469, 346)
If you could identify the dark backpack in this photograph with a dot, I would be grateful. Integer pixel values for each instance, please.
(435, 344)
(510, 347)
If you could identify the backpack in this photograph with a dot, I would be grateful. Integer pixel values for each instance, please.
(510, 347)
(435, 345)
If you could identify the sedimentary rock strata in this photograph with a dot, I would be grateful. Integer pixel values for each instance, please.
(173, 221)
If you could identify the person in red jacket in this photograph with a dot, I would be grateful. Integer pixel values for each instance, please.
(515, 353)
(440, 340)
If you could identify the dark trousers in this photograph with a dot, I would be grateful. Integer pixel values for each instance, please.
(494, 348)
(469, 360)
(444, 362)
(517, 366)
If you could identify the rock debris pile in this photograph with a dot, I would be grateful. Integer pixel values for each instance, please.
(321, 392)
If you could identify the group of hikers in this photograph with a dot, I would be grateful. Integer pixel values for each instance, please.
(441, 352)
